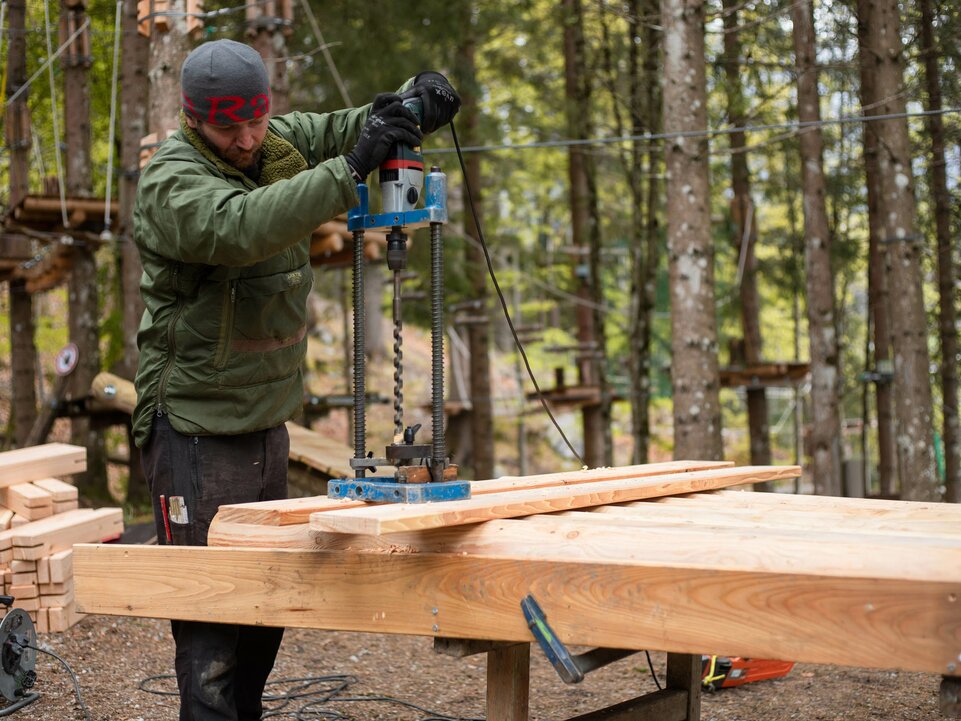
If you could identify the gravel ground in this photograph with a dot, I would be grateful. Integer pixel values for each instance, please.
(112, 656)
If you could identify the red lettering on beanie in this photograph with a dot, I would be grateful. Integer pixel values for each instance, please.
(260, 104)
(228, 112)
(189, 106)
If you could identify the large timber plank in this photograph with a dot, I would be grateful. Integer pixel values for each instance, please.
(721, 499)
(297, 510)
(35, 462)
(58, 533)
(375, 520)
(893, 520)
(580, 535)
(884, 623)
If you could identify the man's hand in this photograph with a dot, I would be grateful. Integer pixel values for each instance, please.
(441, 101)
(389, 122)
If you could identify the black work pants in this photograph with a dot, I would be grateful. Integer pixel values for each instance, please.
(221, 668)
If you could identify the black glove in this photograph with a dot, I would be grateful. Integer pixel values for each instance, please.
(441, 101)
(389, 122)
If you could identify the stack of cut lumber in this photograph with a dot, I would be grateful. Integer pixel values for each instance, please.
(39, 523)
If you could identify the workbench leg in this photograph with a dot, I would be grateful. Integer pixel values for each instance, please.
(684, 673)
(508, 682)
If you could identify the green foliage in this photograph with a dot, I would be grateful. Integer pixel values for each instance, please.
(524, 190)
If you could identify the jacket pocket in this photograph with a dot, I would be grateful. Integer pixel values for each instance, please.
(267, 328)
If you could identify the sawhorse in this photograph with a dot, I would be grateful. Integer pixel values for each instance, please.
(508, 685)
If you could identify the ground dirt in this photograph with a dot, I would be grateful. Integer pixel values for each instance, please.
(112, 657)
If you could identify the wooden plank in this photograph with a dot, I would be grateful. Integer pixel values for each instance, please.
(508, 682)
(43, 569)
(64, 506)
(61, 599)
(314, 450)
(883, 623)
(892, 521)
(376, 520)
(748, 499)
(59, 490)
(27, 500)
(6, 517)
(24, 590)
(60, 532)
(297, 510)
(61, 619)
(51, 459)
(663, 705)
(60, 566)
(595, 537)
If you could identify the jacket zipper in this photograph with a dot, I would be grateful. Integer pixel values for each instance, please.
(226, 330)
(171, 349)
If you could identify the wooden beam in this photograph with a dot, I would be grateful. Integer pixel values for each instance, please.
(816, 618)
(60, 532)
(597, 537)
(893, 520)
(298, 510)
(375, 520)
(748, 499)
(51, 459)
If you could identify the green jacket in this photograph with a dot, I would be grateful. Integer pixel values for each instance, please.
(227, 273)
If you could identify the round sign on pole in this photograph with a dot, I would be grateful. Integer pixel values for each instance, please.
(67, 359)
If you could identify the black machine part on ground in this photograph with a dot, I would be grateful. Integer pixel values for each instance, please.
(18, 658)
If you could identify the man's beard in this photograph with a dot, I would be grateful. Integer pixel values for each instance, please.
(244, 161)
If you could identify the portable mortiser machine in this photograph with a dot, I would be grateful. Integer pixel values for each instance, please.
(423, 471)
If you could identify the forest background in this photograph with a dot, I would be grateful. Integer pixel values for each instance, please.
(626, 158)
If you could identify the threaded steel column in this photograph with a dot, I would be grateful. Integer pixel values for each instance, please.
(439, 447)
(360, 383)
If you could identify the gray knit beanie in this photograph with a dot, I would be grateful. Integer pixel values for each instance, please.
(225, 82)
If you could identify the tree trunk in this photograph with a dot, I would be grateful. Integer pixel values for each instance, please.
(23, 351)
(645, 113)
(879, 304)
(694, 364)
(84, 302)
(168, 49)
(134, 50)
(912, 389)
(583, 214)
(267, 38)
(745, 238)
(947, 315)
(481, 415)
(826, 420)
(133, 126)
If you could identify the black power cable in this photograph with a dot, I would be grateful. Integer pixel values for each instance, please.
(73, 677)
(510, 324)
(503, 301)
(315, 694)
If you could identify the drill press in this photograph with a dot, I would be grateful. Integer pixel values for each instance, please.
(423, 472)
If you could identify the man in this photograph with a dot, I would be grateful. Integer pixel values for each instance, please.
(222, 219)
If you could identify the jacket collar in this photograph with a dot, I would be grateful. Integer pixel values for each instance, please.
(279, 159)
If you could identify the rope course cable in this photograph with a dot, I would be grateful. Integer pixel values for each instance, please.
(796, 126)
(345, 96)
(50, 58)
(3, 15)
(53, 115)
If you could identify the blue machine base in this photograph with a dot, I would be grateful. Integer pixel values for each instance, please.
(384, 489)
